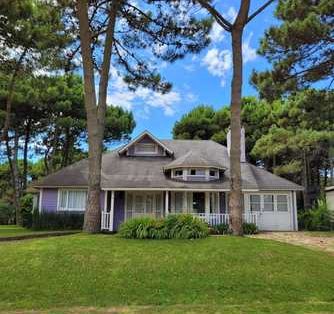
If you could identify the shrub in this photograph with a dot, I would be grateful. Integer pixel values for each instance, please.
(249, 228)
(221, 229)
(173, 226)
(26, 204)
(7, 213)
(186, 227)
(318, 218)
(57, 220)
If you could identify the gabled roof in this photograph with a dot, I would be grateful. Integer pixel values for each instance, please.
(129, 172)
(195, 159)
(142, 135)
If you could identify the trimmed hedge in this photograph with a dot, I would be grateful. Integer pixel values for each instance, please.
(57, 221)
(172, 227)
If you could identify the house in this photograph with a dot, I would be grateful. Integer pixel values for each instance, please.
(329, 191)
(156, 177)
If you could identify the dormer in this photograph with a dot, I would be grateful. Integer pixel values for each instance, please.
(145, 144)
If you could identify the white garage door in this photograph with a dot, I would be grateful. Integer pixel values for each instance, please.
(274, 211)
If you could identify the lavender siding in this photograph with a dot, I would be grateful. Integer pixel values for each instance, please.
(119, 209)
(49, 200)
(102, 200)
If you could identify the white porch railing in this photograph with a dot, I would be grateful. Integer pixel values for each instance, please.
(216, 219)
(105, 220)
(211, 219)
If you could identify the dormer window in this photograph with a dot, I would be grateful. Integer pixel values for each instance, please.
(213, 173)
(146, 148)
(178, 173)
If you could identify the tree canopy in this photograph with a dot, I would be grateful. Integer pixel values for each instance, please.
(300, 48)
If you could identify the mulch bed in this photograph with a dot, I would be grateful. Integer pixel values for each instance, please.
(36, 235)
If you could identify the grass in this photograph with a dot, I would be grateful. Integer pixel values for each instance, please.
(91, 273)
(14, 231)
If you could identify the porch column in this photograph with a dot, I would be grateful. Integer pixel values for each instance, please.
(111, 215)
(207, 202)
(218, 203)
(295, 210)
(167, 202)
(185, 208)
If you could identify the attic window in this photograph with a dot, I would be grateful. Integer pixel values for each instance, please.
(178, 173)
(146, 148)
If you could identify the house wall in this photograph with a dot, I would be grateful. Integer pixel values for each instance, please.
(145, 139)
(49, 200)
(119, 209)
(330, 199)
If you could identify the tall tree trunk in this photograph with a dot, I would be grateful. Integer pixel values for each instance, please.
(25, 154)
(236, 86)
(12, 156)
(10, 95)
(95, 115)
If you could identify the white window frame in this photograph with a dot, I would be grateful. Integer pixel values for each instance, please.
(139, 152)
(275, 194)
(60, 191)
(178, 175)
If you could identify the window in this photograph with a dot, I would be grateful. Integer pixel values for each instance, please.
(268, 203)
(143, 204)
(213, 173)
(282, 203)
(178, 173)
(192, 172)
(255, 202)
(72, 200)
(197, 172)
(146, 148)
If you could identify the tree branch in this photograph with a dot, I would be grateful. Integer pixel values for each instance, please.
(259, 10)
(217, 16)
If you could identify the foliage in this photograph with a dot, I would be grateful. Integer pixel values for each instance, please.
(57, 220)
(173, 274)
(318, 218)
(7, 213)
(249, 228)
(300, 59)
(220, 229)
(173, 226)
(290, 137)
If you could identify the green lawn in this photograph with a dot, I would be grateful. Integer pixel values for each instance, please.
(14, 231)
(90, 273)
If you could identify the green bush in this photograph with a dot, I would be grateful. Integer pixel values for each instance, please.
(26, 203)
(57, 220)
(221, 229)
(249, 228)
(173, 226)
(7, 213)
(318, 218)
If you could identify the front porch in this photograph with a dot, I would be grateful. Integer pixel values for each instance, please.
(210, 206)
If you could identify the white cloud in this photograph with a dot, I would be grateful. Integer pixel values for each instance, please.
(217, 33)
(231, 14)
(248, 53)
(142, 99)
(218, 62)
(189, 67)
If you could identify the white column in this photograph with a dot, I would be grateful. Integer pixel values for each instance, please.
(167, 203)
(207, 202)
(40, 200)
(111, 215)
(295, 210)
(185, 202)
(218, 203)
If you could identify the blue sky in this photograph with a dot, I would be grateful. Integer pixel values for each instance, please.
(198, 79)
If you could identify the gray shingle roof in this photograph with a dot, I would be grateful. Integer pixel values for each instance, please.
(122, 172)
